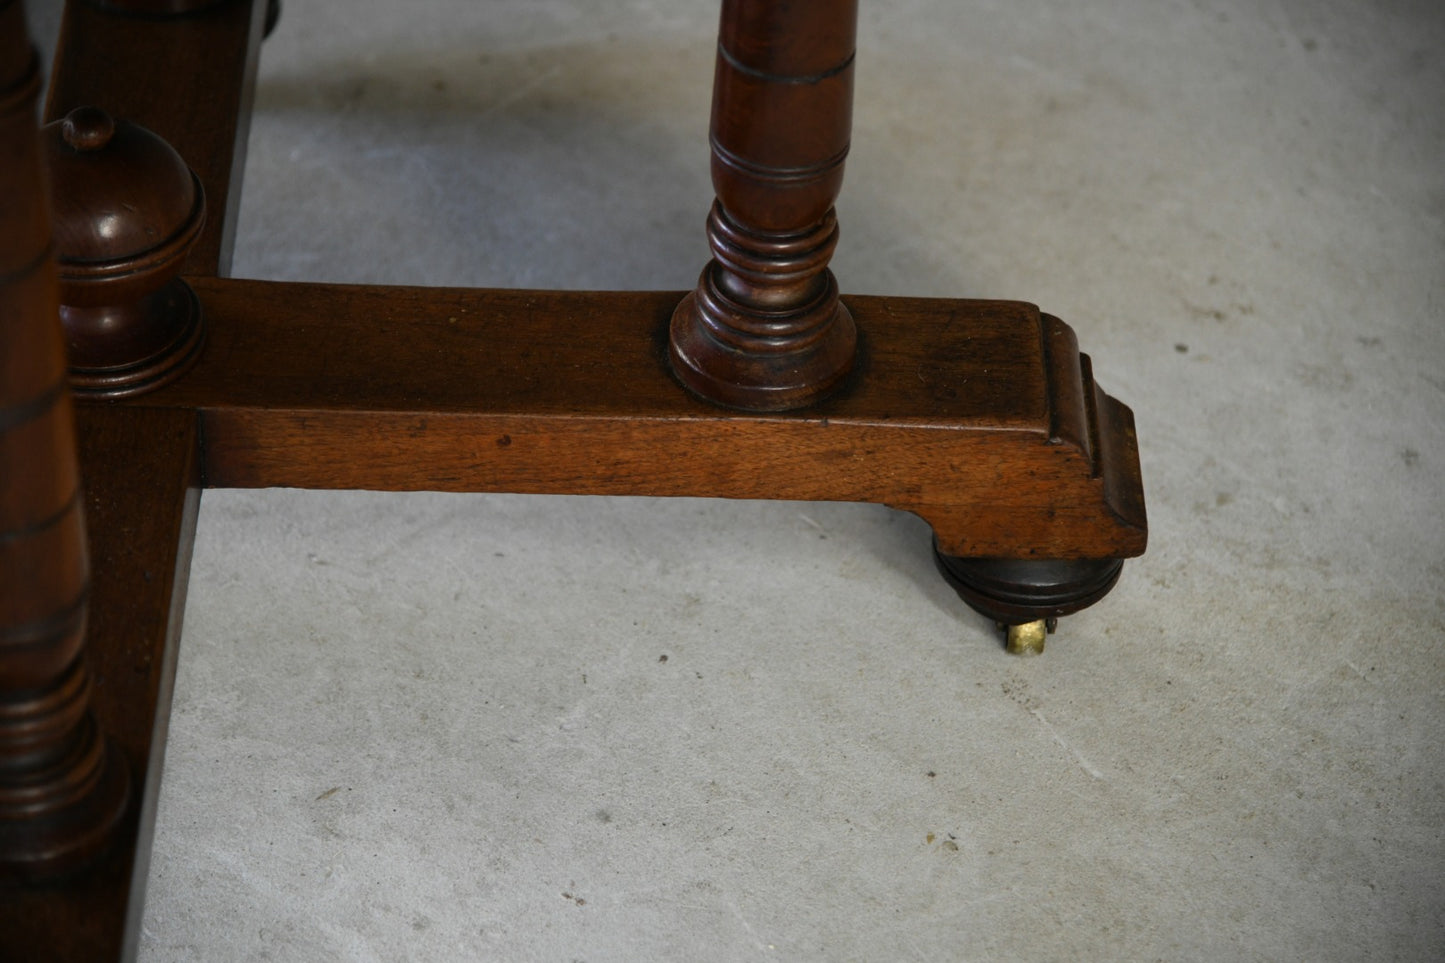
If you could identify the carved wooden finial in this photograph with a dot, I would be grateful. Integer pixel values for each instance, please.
(127, 211)
(765, 330)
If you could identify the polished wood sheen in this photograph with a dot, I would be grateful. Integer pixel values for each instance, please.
(189, 79)
(765, 330)
(63, 785)
(140, 474)
(127, 212)
(982, 417)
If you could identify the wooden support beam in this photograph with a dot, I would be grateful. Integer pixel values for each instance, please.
(980, 416)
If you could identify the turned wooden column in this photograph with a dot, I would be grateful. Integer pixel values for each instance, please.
(63, 786)
(764, 330)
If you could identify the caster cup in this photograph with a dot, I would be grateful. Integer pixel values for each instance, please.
(1028, 596)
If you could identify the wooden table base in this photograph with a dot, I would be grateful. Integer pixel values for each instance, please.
(981, 417)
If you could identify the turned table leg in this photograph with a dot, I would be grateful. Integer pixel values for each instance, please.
(63, 785)
(765, 331)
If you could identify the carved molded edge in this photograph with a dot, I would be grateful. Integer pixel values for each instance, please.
(1100, 426)
(1119, 456)
(1084, 476)
(1070, 421)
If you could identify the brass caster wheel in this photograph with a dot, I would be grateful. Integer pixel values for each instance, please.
(1028, 638)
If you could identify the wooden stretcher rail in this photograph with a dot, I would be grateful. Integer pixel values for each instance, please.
(977, 415)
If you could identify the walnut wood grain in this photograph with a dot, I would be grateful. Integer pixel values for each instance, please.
(83, 701)
(982, 417)
(63, 784)
(954, 413)
(765, 330)
(139, 470)
(127, 212)
(189, 78)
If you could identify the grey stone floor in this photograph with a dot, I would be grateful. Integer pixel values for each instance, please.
(440, 727)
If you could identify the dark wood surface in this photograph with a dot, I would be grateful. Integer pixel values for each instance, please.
(127, 212)
(189, 78)
(982, 417)
(765, 330)
(136, 483)
(80, 700)
(64, 787)
(977, 415)
(140, 474)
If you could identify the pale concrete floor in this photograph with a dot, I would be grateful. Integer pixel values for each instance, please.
(431, 727)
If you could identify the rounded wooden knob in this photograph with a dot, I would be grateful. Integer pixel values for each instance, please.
(87, 128)
(127, 211)
(126, 207)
